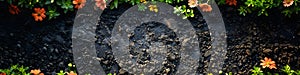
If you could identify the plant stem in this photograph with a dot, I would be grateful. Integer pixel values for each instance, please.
(207, 1)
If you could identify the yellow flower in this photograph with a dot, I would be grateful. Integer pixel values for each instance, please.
(153, 8)
(143, 1)
(70, 64)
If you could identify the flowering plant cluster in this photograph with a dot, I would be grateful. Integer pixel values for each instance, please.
(42, 9)
(184, 10)
(262, 7)
(21, 70)
(50, 9)
(267, 62)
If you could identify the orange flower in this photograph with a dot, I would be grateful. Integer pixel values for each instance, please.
(72, 73)
(101, 4)
(231, 2)
(267, 62)
(14, 9)
(205, 7)
(2, 73)
(79, 3)
(193, 3)
(39, 14)
(287, 3)
(36, 72)
(41, 74)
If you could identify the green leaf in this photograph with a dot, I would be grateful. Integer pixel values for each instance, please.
(169, 1)
(188, 10)
(132, 2)
(61, 72)
(116, 3)
(261, 73)
(268, 73)
(48, 2)
(256, 71)
(142, 7)
(58, 3)
(178, 1)
(184, 17)
(192, 13)
(137, 1)
(297, 72)
(221, 2)
(230, 73)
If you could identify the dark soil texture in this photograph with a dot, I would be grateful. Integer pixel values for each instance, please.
(140, 44)
(47, 45)
(252, 38)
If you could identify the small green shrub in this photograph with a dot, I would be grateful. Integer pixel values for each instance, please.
(15, 70)
(263, 7)
(21, 70)
(49, 7)
(257, 71)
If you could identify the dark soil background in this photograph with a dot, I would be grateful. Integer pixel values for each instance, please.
(47, 45)
(252, 38)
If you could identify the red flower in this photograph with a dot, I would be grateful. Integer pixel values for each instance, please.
(39, 14)
(79, 3)
(287, 3)
(205, 7)
(268, 63)
(13, 9)
(101, 4)
(231, 2)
